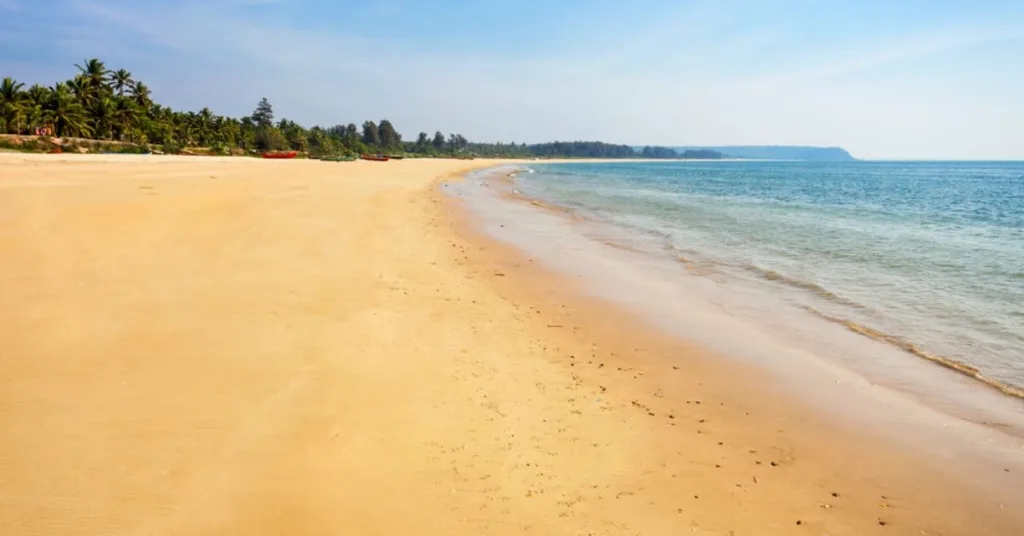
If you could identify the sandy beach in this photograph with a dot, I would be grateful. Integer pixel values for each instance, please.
(200, 346)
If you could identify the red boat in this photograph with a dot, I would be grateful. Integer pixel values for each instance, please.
(289, 154)
(375, 158)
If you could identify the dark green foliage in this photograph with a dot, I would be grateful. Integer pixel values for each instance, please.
(263, 115)
(371, 135)
(581, 149)
(33, 146)
(780, 152)
(658, 152)
(171, 147)
(706, 154)
(270, 139)
(112, 106)
(389, 138)
(220, 148)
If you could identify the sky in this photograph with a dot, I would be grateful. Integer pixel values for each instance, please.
(896, 79)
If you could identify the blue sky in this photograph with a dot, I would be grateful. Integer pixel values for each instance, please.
(884, 79)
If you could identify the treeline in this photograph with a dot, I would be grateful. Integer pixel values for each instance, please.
(706, 154)
(584, 149)
(111, 105)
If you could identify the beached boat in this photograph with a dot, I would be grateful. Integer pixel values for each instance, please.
(276, 154)
(374, 157)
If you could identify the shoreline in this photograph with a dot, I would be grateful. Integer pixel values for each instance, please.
(302, 348)
(996, 414)
(798, 408)
(910, 347)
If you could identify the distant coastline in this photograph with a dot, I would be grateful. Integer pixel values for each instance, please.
(778, 152)
(109, 111)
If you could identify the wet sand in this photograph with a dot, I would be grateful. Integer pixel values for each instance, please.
(232, 346)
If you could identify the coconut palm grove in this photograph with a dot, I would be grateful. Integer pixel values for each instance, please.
(101, 109)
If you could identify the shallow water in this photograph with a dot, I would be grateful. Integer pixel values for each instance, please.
(926, 256)
(862, 380)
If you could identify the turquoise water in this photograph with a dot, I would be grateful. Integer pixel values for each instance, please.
(928, 257)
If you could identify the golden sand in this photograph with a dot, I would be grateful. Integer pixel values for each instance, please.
(197, 346)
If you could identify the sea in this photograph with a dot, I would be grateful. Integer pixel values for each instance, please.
(908, 275)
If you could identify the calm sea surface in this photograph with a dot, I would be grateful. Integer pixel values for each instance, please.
(928, 257)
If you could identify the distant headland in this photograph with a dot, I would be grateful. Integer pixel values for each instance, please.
(777, 152)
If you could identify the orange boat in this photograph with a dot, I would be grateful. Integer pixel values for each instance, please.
(289, 154)
(375, 158)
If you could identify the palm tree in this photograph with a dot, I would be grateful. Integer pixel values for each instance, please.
(37, 95)
(95, 72)
(10, 90)
(202, 124)
(101, 111)
(106, 104)
(184, 132)
(36, 98)
(141, 95)
(65, 112)
(247, 134)
(80, 88)
(125, 114)
(120, 80)
(12, 104)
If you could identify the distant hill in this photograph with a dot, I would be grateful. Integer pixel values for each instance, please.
(778, 152)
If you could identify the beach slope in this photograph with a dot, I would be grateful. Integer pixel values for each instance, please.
(234, 346)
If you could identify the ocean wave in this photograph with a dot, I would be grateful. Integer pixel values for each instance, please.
(696, 263)
(911, 348)
(814, 288)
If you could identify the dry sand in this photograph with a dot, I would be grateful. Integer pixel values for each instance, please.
(231, 346)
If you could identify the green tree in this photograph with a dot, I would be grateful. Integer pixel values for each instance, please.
(101, 112)
(12, 104)
(36, 98)
(371, 135)
(104, 104)
(121, 80)
(319, 142)
(141, 95)
(231, 131)
(95, 74)
(247, 133)
(263, 116)
(351, 136)
(125, 117)
(270, 139)
(390, 139)
(267, 138)
(65, 112)
(80, 88)
(37, 95)
(203, 126)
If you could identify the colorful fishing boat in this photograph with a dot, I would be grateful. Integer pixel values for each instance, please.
(280, 154)
(374, 157)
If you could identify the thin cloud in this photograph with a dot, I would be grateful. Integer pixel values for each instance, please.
(696, 73)
(879, 54)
